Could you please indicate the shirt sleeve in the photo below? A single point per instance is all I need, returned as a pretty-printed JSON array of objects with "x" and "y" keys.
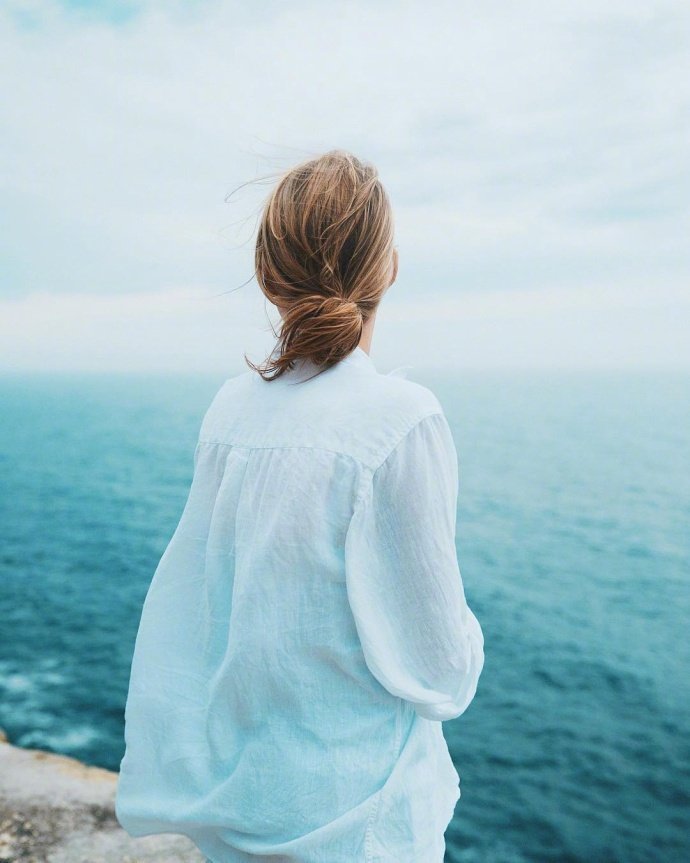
[{"x": 420, "y": 638}]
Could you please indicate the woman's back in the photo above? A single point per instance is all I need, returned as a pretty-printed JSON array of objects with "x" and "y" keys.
[{"x": 306, "y": 629}]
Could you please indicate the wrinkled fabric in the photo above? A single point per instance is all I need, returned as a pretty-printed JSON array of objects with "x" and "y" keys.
[{"x": 306, "y": 630}]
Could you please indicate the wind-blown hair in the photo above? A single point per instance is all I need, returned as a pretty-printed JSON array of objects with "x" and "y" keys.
[{"x": 323, "y": 254}]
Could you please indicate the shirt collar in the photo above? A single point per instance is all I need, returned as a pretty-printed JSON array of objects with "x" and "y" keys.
[
  {"x": 359, "y": 357},
  {"x": 304, "y": 369}
]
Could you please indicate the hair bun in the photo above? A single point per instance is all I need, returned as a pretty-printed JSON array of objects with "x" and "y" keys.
[
  {"x": 324, "y": 329},
  {"x": 350, "y": 307},
  {"x": 344, "y": 307},
  {"x": 319, "y": 305}
]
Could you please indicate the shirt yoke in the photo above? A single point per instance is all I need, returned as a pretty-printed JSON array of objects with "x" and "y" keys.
[{"x": 360, "y": 414}]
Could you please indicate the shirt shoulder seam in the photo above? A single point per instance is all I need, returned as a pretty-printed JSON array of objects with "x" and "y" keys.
[
  {"x": 368, "y": 481},
  {"x": 406, "y": 433}
]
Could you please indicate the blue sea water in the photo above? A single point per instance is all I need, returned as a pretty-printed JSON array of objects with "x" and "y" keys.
[{"x": 573, "y": 542}]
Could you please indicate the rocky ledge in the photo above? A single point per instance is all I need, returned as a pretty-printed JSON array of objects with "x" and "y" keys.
[{"x": 54, "y": 809}]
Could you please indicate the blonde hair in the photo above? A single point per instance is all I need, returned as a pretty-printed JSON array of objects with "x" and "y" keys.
[{"x": 323, "y": 253}]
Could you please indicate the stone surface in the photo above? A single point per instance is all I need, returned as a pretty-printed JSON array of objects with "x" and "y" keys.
[{"x": 54, "y": 809}]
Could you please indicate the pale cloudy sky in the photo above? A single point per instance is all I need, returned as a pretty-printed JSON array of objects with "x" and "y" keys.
[{"x": 536, "y": 153}]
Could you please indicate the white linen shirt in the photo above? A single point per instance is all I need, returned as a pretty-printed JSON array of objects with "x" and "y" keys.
[{"x": 306, "y": 630}]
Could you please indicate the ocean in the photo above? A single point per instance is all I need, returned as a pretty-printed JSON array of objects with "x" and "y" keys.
[{"x": 574, "y": 546}]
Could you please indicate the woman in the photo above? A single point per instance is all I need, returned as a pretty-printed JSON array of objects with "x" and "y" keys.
[{"x": 306, "y": 631}]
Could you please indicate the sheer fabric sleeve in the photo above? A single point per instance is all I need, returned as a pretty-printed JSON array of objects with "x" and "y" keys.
[{"x": 419, "y": 637}]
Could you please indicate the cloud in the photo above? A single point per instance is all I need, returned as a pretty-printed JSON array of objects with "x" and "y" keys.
[
  {"x": 181, "y": 328},
  {"x": 530, "y": 148}
]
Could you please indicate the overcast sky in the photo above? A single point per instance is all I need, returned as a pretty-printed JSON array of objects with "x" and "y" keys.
[{"x": 536, "y": 154}]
